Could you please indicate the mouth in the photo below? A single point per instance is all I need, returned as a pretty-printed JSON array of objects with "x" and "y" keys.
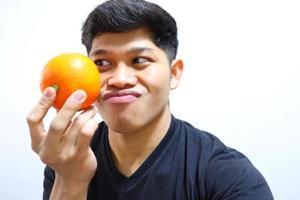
[{"x": 124, "y": 96}]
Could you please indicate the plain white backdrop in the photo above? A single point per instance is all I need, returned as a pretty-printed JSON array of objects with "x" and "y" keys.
[{"x": 241, "y": 80}]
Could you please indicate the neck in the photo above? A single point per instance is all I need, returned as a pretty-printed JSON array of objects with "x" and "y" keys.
[{"x": 131, "y": 150}]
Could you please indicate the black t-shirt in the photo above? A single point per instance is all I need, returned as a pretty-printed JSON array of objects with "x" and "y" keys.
[{"x": 187, "y": 164}]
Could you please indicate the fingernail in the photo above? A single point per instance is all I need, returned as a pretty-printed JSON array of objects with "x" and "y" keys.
[
  {"x": 78, "y": 96},
  {"x": 48, "y": 93}
]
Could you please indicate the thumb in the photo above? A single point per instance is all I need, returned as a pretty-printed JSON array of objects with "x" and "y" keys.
[
  {"x": 41, "y": 108},
  {"x": 35, "y": 117},
  {"x": 47, "y": 99}
]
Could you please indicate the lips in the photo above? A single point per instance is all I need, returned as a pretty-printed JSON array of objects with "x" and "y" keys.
[{"x": 125, "y": 96}]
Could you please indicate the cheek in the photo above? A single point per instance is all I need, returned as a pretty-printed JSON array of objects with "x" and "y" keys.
[
  {"x": 104, "y": 78},
  {"x": 158, "y": 86},
  {"x": 98, "y": 105},
  {"x": 156, "y": 78}
]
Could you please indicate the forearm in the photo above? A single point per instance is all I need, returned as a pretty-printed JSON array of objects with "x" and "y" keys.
[{"x": 68, "y": 191}]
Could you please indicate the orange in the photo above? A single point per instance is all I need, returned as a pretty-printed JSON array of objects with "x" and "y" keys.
[{"x": 69, "y": 72}]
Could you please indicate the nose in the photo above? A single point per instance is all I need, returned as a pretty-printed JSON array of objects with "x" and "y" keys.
[{"x": 123, "y": 76}]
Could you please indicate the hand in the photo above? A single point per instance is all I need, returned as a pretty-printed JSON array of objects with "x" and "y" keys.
[{"x": 65, "y": 147}]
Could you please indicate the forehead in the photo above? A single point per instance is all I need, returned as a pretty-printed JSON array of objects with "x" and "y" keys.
[{"x": 123, "y": 41}]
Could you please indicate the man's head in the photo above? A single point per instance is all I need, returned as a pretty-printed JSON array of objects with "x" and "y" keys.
[
  {"x": 115, "y": 16},
  {"x": 133, "y": 43}
]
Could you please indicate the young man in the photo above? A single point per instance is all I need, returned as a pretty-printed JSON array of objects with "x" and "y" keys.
[{"x": 140, "y": 151}]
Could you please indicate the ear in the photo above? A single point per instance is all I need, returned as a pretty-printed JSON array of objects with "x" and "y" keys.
[{"x": 176, "y": 72}]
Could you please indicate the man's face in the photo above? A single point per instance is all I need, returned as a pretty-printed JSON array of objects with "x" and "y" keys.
[{"x": 135, "y": 77}]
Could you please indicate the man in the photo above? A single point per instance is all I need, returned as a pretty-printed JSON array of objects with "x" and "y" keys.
[{"x": 140, "y": 151}]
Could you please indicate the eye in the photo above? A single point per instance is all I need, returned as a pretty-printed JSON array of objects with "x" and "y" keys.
[
  {"x": 102, "y": 64},
  {"x": 141, "y": 60}
]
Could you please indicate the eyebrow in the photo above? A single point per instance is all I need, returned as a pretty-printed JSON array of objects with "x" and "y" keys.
[{"x": 132, "y": 50}]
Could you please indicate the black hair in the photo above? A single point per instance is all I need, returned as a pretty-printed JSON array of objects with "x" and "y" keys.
[{"x": 127, "y": 15}]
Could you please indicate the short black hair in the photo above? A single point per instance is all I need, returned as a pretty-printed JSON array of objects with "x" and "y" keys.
[{"x": 127, "y": 15}]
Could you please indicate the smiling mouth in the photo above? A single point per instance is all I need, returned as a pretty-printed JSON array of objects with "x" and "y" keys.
[{"x": 120, "y": 97}]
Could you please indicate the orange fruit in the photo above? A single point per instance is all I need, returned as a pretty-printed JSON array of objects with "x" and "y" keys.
[{"x": 69, "y": 72}]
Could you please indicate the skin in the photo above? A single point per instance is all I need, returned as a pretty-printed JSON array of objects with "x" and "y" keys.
[
  {"x": 134, "y": 102},
  {"x": 132, "y": 62}
]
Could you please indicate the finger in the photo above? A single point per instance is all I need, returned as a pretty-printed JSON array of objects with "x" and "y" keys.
[
  {"x": 80, "y": 121},
  {"x": 86, "y": 134},
  {"x": 36, "y": 115},
  {"x": 62, "y": 120}
]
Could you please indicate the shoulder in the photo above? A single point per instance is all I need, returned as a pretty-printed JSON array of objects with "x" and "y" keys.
[
  {"x": 208, "y": 143},
  {"x": 231, "y": 174},
  {"x": 226, "y": 172},
  {"x": 200, "y": 140}
]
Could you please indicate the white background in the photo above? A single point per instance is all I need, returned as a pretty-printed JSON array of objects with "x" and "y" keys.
[{"x": 241, "y": 80}]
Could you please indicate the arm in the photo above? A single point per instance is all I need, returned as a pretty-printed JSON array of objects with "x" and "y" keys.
[
  {"x": 63, "y": 190},
  {"x": 65, "y": 147}
]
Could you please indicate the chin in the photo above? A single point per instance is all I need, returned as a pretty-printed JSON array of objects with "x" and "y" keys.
[
  {"x": 122, "y": 124},
  {"x": 123, "y": 128}
]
